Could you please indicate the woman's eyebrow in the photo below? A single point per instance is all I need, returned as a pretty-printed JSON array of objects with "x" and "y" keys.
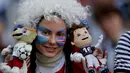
[
  {"x": 62, "y": 30},
  {"x": 43, "y": 28}
]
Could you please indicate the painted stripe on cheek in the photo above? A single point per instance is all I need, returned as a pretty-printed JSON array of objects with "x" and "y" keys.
[
  {"x": 61, "y": 41},
  {"x": 42, "y": 39}
]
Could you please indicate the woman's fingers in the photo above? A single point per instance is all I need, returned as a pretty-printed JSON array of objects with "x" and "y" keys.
[
  {"x": 106, "y": 54},
  {"x": 7, "y": 58}
]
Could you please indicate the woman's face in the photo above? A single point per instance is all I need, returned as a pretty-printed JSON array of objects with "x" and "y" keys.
[{"x": 51, "y": 37}]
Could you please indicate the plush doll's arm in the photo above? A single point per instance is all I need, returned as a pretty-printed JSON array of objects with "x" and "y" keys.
[
  {"x": 96, "y": 47},
  {"x": 76, "y": 57},
  {"x": 4, "y": 68},
  {"x": 99, "y": 41},
  {"x": 6, "y": 50}
]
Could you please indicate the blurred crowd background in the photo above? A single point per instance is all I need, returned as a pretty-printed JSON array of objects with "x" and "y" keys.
[{"x": 109, "y": 17}]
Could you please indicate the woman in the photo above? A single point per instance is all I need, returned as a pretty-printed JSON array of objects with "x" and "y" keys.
[
  {"x": 51, "y": 51},
  {"x": 52, "y": 18},
  {"x": 48, "y": 52}
]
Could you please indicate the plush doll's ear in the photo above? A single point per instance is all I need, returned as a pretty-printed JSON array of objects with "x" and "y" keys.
[{"x": 72, "y": 43}]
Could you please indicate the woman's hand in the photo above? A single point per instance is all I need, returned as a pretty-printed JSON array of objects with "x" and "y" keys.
[
  {"x": 102, "y": 56},
  {"x": 8, "y": 57}
]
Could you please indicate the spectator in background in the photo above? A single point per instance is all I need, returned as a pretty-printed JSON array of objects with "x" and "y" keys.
[
  {"x": 110, "y": 20},
  {"x": 1, "y": 31},
  {"x": 122, "y": 54},
  {"x": 3, "y": 23},
  {"x": 125, "y": 9},
  {"x": 2, "y": 26}
]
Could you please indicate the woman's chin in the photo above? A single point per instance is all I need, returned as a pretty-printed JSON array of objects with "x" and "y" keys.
[{"x": 49, "y": 55}]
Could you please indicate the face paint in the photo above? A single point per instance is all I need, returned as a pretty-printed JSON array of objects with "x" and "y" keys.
[
  {"x": 61, "y": 41},
  {"x": 41, "y": 39},
  {"x": 60, "y": 31},
  {"x": 42, "y": 28}
]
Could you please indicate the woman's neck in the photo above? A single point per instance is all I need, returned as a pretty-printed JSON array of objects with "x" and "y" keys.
[{"x": 48, "y": 62}]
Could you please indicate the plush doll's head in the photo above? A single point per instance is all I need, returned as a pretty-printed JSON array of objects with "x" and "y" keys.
[
  {"x": 80, "y": 36},
  {"x": 24, "y": 34},
  {"x": 18, "y": 32}
]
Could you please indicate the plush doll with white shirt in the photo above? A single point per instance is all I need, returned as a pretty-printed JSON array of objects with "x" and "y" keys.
[
  {"x": 81, "y": 41},
  {"x": 24, "y": 36}
]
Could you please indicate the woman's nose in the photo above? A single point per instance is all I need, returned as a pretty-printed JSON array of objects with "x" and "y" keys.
[{"x": 52, "y": 39}]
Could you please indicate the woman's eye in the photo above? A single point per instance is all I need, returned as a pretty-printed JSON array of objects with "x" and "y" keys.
[
  {"x": 46, "y": 33},
  {"x": 60, "y": 34}
]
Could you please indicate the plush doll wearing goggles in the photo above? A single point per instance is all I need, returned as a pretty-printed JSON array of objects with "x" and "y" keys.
[{"x": 81, "y": 41}]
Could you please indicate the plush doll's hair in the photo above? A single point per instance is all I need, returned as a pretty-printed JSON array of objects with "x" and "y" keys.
[{"x": 73, "y": 28}]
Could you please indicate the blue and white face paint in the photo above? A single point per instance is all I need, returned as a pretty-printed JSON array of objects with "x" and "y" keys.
[
  {"x": 44, "y": 35},
  {"x": 41, "y": 39},
  {"x": 61, "y": 41}
]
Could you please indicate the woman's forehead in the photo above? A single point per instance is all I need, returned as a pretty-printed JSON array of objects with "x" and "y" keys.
[{"x": 53, "y": 25}]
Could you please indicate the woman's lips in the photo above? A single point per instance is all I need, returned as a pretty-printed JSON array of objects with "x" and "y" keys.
[{"x": 50, "y": 49}]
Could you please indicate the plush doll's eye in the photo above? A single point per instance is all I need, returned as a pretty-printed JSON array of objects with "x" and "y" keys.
[
  {"x": 24, "y": 31},
  {"x": 78, "y": 34},
  {"x": 15, "y": 29},
  {"x": 85, "y": 31}
]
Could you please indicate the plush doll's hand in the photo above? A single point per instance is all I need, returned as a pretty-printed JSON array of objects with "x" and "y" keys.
[
  {"x": 6, "y": 50},
  {"x": 28, "y": 49},
  {"x": 7, "y": 53},
  {"x": 5, "y": 68},
  {"x": 76, "y": 57},
  {"x": 15, "y": 70}
]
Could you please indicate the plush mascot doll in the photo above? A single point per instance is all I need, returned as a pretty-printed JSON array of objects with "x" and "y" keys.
[
  {"x": 81, "y": 40},
  {"x": 21, "y": 50}
]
